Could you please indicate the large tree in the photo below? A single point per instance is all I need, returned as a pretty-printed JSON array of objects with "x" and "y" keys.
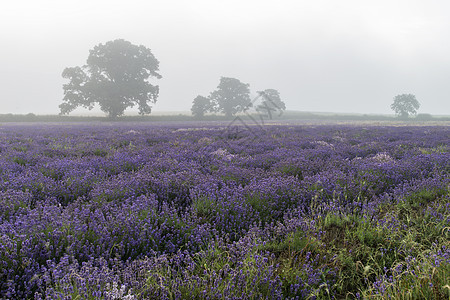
[
  {"x": 231, "y": 96},
  {"x": 405, "y": 105},
  {"x": 116, "y": 77}
]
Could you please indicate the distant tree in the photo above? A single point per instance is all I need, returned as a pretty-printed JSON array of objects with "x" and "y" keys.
[
  {"x": 115, "y": 76},
  {"x": 231, "y": 96},
  {"x": 424, "y": 117},
  {"x": 200, "y": 106},
  {"x": 405, "y": 105},
  {"x": 271, "y": 101}
]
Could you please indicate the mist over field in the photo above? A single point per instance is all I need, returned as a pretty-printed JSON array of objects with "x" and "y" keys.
[
  {"x": 323, "y": 56},
  {"x": 224, "y": 149}
]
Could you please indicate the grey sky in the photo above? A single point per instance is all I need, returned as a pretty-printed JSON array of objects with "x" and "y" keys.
[{"x": 321, "y": 55}]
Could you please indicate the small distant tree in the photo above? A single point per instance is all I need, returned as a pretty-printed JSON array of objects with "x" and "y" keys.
[
  {"x": 115, "y": 76},
  {"x": 424, "y": 117},
  {"x": 271, "y": 102},
  {"x": 405, "y": 105},
  {"x": 231, "y": 96},
  {"x": 200, "y": 106}
]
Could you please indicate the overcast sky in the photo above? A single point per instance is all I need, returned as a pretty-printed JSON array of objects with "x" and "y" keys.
[{"x": 324, "y": 55}]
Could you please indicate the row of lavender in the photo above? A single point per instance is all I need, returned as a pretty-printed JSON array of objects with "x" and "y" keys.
[{"x": 143, "y": 211}]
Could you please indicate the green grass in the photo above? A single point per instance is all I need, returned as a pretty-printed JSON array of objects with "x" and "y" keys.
[
  {"x": 370, "y": 250},
  {"x": 292, "y": 170},
  {"x": 204, "y": 207},
  {"x": 389, "y": 255},
  {"x": 207, "y": 274}
]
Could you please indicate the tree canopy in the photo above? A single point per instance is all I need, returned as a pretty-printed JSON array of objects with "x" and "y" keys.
[
  {"x": 271, "y": 102},
  {"x": 405, "y": 105},
  {"x": 115, "y": 77},
  {"x": 200, "y": 106},
  {"x": 231, "y": 96}
]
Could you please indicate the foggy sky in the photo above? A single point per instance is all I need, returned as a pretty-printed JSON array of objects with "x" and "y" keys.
[{"x": 349, "y": 56}]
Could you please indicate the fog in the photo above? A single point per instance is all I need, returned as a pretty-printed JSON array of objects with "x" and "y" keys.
[{"x": 324, "y": 56}]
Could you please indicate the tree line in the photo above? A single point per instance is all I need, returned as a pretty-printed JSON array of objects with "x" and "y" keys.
[
  {"x": 116, "y": 77},
  {"x": 232, "y": 97}
]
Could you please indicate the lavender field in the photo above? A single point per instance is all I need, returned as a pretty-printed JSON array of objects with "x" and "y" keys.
[{"x": 148, "y": 211}]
